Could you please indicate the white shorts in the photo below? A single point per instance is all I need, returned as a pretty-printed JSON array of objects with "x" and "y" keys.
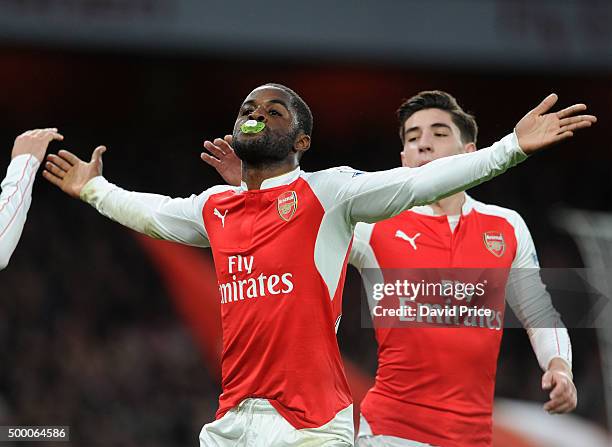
[
  {"x": 365, "y": 438},
  {"x": 256, "y": 423}
]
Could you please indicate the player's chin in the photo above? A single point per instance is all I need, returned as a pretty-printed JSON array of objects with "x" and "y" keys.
[{"x": 250, "y": 136}]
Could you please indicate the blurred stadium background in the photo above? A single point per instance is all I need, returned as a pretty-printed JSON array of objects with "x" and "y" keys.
[{"x": 117, "y": 336}]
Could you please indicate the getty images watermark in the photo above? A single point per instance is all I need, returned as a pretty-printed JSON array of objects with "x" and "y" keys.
[
  {"x": 446, "y": 301},
  {"x": 481, "y": 298}
]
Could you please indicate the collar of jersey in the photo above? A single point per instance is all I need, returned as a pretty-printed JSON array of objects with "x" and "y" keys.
[
  {"x": 279, "y": 180},
  {"x": 426, "y": 210}
]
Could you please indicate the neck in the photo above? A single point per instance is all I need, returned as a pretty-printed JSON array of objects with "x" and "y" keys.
[
  {"x": 254, "y": 176},
  {"x": 449, "y": 206}
]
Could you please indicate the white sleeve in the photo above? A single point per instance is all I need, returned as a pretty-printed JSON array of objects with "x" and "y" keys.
[
  {"x": 157, "y": 216},
  {"x": 362, "y": 255},
  {"x": 15, "y": 201},
  {"x": 370, "y": 197},
  {"x": 531, "y": 302},
  {"x": 363, "y": 258}
]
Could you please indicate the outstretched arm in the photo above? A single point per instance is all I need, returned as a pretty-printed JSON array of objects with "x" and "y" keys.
[
  {"x": 16, "y": 196},
  {"x": 375, "y": 196},
  {"x": 157, "y": 216}
]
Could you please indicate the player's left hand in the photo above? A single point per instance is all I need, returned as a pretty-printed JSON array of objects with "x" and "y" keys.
[
  {"x": 563, "y": 396},
  {"x": 539, "y": 128},
  {"x": 223, "y": 159}
]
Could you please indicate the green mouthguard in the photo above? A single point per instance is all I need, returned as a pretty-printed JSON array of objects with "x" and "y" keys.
[{"x": 252, "y": 126}]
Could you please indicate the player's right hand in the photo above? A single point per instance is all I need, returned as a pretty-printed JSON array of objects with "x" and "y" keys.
[
  {"x": 69, "y": 173},
  {"x": 35, "y": 142},
  {"x": 223, "y": 159}
]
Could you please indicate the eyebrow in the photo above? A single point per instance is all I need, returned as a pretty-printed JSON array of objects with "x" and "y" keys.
[
  {"x": 273, "y": 101},
  {"x": 435, "y": 125}
]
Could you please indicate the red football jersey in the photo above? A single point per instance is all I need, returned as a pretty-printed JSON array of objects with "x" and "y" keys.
[
  {"x": 278, "y": 313},
  {"x": 436, "y": 385},
  {"x": 280, "y": 255}
]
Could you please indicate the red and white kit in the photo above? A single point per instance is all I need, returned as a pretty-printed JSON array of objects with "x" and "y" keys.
[
  {"x": 435, "y": 385},
  {"x": 280, "y": 255},
  {"x": 15, "y": 202}
]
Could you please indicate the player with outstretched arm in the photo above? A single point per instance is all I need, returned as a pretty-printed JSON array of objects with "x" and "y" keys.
[{"x": 280, "y": 242}]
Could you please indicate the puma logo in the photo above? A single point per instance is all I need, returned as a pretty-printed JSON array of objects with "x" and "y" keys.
[
  {"x": 220, "y": 216},
  {"x": 400, "y": 234}
]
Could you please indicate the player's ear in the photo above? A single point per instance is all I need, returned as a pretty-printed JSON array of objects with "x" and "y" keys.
[
  {"x": 302, "y": 142},
  {"x": 403, "y": 158},
  {"x": 469, "y": 147}
]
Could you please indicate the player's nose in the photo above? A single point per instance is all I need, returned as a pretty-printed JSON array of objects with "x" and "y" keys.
[
  {"x": 425, "y": 146},
  {"x": 257, "y": 115}
]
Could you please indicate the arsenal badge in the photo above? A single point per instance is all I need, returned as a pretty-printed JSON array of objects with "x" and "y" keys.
[
  {"x": 286, "y": 204},
  {"x": 494, "y": 241}
]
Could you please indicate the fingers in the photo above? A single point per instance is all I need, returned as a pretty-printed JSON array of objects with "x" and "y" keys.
[
  {"x": 563, "y": 394},
  {"x": 576, "y": 126},
  {"x": 214, "y": 149},
  {"x": 547, "y": 381},
  {"x": 576, "y": 122},
  {"x": 50, "y": 133},
  {"x": 557, "y": 407},
  {"x": 55, "y": 170},
  {"x": 553, "y": 405},
  {"x": 58, "y": 161},
  {"x": 215, "y": 163},
  {"x": 55, "y": 136},
  {"x": 546, "y": 104},
  {"x": 567, "y": 130},
  {"x": 224, "y": 145},
  {"x": 568, "y": 111},
  {"x": 576, "y": 119},
  {"x": 96, "y": 156},
  {"x": 560, "y": 405},
  {"x": 52, "y": 178},
  {"x": 220, "y": 147},
  {"x": 69, "y": 157}
]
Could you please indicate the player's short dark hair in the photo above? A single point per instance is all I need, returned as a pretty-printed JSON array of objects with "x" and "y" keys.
[
  {"x": 304, "y": 115},
  {"x": 437, "y": 99}
]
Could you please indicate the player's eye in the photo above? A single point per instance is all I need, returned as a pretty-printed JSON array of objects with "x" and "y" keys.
[
  {"x": 412, "y": 139},
  {"x": 275, "y": 112},
  {"x": 437, "y": 134},
  {"x": 245, "y": 112}
]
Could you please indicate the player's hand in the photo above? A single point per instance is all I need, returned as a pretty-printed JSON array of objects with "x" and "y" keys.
[
  {"x": 539, "y": 129},
  {"x": 35, "y": 142},
  {"x": 558, "y": 380},
  {"x": 223, "y": 159},
  {"x": 69, "y": 173}
]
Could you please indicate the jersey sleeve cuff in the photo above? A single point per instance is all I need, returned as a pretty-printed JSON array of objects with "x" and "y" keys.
[
  {"x": 96, "y": 190},
  {"x": 514, "y": 143},
  {"x": 563, "y": 359}
]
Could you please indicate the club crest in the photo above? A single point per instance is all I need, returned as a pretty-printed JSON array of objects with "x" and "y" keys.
[
  {"x": 494, "y": 242},
  {"x": 286, "y": 204}
]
